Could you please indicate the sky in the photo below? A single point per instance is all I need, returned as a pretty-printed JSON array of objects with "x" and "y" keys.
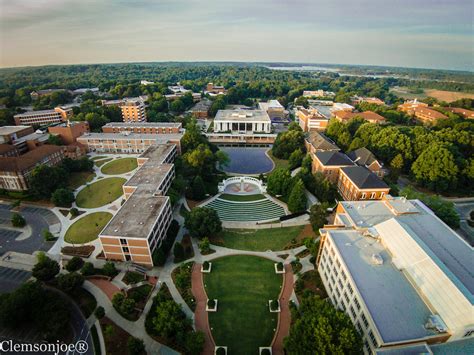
[{"x": 410, "y": 33}]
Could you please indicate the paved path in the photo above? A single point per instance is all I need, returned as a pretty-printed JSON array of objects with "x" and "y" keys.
[
  {"x": 284, "y": 320},
  {"x": 201, "y": 319},
  {"x": 107, "y": 287}
]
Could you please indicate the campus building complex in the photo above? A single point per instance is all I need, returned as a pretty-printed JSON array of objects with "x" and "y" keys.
[
  {"x": 140, "y": 225},
  {"x": 143, "y": 127},
  {"x": 9, "y": 134},
  {"x": 401, "y": 274},
  {"x": 69, "y": 131},
  {"x": 43, "y": 117},
  {"x": 242, "y": 122},
  {"x": 275, "y": 110},
  {"x": 15, "y": 171}
]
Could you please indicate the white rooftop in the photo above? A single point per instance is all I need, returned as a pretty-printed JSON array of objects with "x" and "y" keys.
[{"x": 242, "y": 115}]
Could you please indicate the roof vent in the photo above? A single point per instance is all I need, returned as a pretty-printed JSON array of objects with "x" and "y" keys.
[
  {"x": 376, "y": 259},
  {"x": 436, "y": 323}
]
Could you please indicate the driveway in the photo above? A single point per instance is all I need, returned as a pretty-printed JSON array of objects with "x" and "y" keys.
[
  {"x": 38, "y": 219},
  {"x": 10, "y": 279}
]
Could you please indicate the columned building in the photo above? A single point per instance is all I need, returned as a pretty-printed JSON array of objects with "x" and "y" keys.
[{"x": 242, "y": 122}]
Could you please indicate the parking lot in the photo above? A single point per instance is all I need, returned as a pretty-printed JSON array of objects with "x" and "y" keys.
[{"x": 12, "y": 278}]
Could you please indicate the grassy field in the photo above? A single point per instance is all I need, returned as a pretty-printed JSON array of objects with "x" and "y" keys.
[
  {"x": 242, "y": 198},
  {"x": 120, "y": 166},
  {"x": 243, "y": 285},
  {"x": 279, "y": 163},
  {"x": 100, "y": 193},
  {"x": 87, "y": 228},
  {"x": 99, "y": 157},
  {"x": 101, "y": 162},
  {"x": 81, "y": 178},
  {"x": 441, "y": 95},
  {"x": 258, "y": 239}
]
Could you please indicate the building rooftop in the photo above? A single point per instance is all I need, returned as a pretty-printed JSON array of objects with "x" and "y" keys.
[
  {"x": 396, "y": 308},
  {"x": 145, "y": 124},
  {"x": 149, "y": 177},
  {"x": 159, "y": 138},
  {"x": 429, "y": 112},
  {"x": 29, "y": 159},
  {"x": 137, "y": 216},
  {"x": 366, "y": 115},
  {"x": 158, "y": 152},
  {"x": 363, "y": 178},
  {"x": 333, "y": 158},
  {"x": 320, "y": 142},
  {"x": 362, "y": 156},
  {"x": 435, "y": 237},
  {"x": 39, "y": 112},
  {"x": 271, "y": 104},
  {"x": 7, "y": 130},
  {"x": 242, "y": 115},
  {"x": 464, "y": 346}
]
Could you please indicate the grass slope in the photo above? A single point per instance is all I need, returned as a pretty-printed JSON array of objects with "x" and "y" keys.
[
  {"x": 81, "y": 178},
  {"x": 100, "y": 193},
  {"x": 257, "y": 239},
  {"x": 243, "y": 285},
  {"x": 242, "y": 198},
  {"x": 87, "y": 228}
]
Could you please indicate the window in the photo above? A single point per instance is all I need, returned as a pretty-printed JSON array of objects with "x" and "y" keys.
[
  {"x": 359, "y": 328},
  {"x": 123, "y": 241},
  {"x": 346, "y": 296},
  {"x": 372, "y": 195},
  {"x": 468, "y": 333},
  {"x": 372, "y": 338},
  {"x": 353, "y": 312},
  {"x": 364, "y": 320},
  {"x": 357, "y": 304},
  {"x": 364, "y": 196},
  {"x": 349, "y": 287},
  {"x": 125, "y": 249}
]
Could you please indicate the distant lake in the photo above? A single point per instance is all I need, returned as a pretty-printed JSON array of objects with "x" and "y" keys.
[{"x": 247, "y": 160}]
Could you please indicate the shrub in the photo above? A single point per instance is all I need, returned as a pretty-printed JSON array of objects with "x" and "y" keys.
[
  {"x": 204, "y": 245},
  {"x": 70, "y": 282},
  {"x": 312, "y": 260},
  {"x": 211, "y": 303},
  {"x": 205, "y": 265},
  {"x": 87, "y": 269},
  {"x": 99, "y": 312},
  {"x": 109, "y": 269},
  {"x": 128, "y": 306},
  {"x": 74, "y": 212},
  {"x": 132, "y": 277},
  {"x": 48, "y": 236},
  {"x": 117, "y": 300},
  {"x": 45, "y": 269},
  {"x": 74, "y": 264},
  {"x": 274, "y": 305},
  {"x": 178, "y": 252},
  {"x": 62, "y": 197},
  {"x": 159, "y": 257},
  {"x": 280, "y": 266},
  {"x": 18, "y": 220},
  {"x": 220, "y": 351},
  {"x": 135, "y": 346},
  {"x": 265, "y": 352}
]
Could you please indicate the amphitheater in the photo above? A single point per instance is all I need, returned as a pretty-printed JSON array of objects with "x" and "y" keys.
[{"x": 249, "y": 204}]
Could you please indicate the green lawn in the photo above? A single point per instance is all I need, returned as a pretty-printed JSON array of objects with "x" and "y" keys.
[
  {"x": 243, "y": 285},
  {"x": 99, "y": 157},
  {"x": 279, "y": 163},
  {"x": 100, "y": 193},
  {"x": 80, "y": 178},
  {"x": 120, "y": 166},
  {"x": 242, "y": 198},
  {"x": 87, "y": 228},
  {"x": 257, "y": 239},
  {"x": 101, "y": 162}
]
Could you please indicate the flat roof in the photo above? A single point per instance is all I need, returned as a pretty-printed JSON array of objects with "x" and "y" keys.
[
  {"x": 242, "y": 115},
  {"x": 160, "y": 138},
  {"x": 271, "y": 104},
  {"x": 396, "y": 308},
  {"x": 150, "y": 176},
  {"x": 451, "y": 251},
  {"x": 144, "y": 124},
  {"x": 137, "y": 216},
  {"x": 6, "y": 130},
  {"x": 158, "y": 152}
]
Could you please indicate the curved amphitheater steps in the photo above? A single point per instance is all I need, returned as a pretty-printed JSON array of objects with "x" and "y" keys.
[{"x": 260, "y": 210}]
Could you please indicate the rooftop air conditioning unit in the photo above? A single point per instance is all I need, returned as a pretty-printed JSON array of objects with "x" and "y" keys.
[
  {"x": 436, "y": 323},
  {"x": 376, "y": 259}
]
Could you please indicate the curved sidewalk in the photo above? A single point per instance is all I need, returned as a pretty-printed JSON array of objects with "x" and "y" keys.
[
  {"x": 284, "y": 320},
  {"x": 200, "y": 314}
]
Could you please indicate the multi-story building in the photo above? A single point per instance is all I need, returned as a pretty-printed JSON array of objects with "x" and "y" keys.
[
  {"x": 370, "y": 100},
  {"x": 43, "y": 117},
  {"x": 401, "y": 274},
  {"x": 409, "y": 106},
  {"x": 329, "y": 163},
  {"x": 318, "y": 93},
  {"x": 143, "y": 127},
  {"x": 428, "y": 115},
  {"x": 31, "y": 141},
  {"x": 275, "y": 110},
  {"x": 8, "y": 150},
  {"x": 311, "y": 119},
  {"x": 82, "y": 91},
  {"x": 365, "y": 157},
  {"x": 16, "y": 171},
  {"x": 120, "y": 102},
  {"x": 359, "y": 183},
  {"x": 213, "y": 90},
  {"x": 140, "y": 225},
  {"x": 69, "y": 131},
  {"x": 133, "y": 111},
  {"x": 317, "y": 141},
  {"x": 242, "y": 122},
  {"x": 461, "y": 112},
  {"x": 369, "y": 116},
  {"x": 201, "y": 109},
  {"x": 9, "y": 134},
  {"x": 339, "y": 106},
  {"x": 126, "y": 142}
]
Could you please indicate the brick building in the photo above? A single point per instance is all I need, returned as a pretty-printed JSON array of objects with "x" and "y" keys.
[
  {"x": 310, "y": 119},
  {"x": 133, "y": 111},
  {"x": 69, "y": 131},
  {"x": 365, "y": 157},
  {"x": 359, "y": 183},
  {"x": 329, "y": 163},
  {"x": 317, "y": 141},
  {"x": 43, "y": 117},
  {"x": 369, "y": 116},
  {"x": 143, "y": 127}
]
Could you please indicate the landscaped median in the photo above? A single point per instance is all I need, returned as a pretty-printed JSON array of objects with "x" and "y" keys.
[
  {"x": 87, "y": 228},
  {"x": 242, "y": 285},
  {"x": 100, "y": 193}
]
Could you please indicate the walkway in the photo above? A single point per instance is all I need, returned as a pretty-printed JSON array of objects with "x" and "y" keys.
[
  {"x": 201, "y": 319},
  {"x": 284, "y": 320},
  {"x": 106, "y": 287}
]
